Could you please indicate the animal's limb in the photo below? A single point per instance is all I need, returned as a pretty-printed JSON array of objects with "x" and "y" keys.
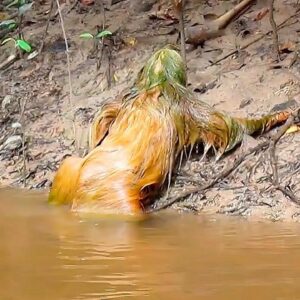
[
  {"x": 137, "y": 141},
  {"x": 65, "y": 181},
  {"x": 224, "y": 132},
  {"x": 102, "y": 121},
  {"x": 263, "y": 124}
]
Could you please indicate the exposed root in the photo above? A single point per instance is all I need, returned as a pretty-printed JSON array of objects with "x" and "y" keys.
[{"x": 197, "y": 35}]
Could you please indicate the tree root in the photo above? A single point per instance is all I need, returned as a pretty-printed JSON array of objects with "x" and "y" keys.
[{"x": 197, "y": 34}]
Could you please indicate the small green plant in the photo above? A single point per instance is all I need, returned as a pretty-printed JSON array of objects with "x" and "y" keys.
[
  {"x": 98, "y": 36},
  {"x": 21, "y": 5},
  {"x": 8, "y": 24},
  {"x": 20, "y": 44},
  {"x": 98, "y": 48}
]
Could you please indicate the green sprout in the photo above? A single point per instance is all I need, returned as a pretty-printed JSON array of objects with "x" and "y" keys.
[
  {"x": 99, "y": 35},
  {"x": 98, "y": 40},
  {"x": 20, "y": 44},
  {"x": 8, "y": 24},
  {"x": 22, "y": 5}
]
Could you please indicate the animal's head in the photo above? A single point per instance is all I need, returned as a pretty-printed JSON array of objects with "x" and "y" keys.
[{"x": 164, "y": 66}]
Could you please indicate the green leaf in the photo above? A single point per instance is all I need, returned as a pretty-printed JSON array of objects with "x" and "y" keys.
[
  {"x": 103, "y": 34},
  {"x": 12, "y": 26},
  {"x": 7, "y": 40},
  {"x": 24, "y": 8},
  {"x": 8, "y": 24},
  {"x": 24, "y": 46},
  {"x": 86, "y": 35}
]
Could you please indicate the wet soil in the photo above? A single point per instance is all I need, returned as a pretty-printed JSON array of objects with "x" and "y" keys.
[{"x": 39, "y": 121}]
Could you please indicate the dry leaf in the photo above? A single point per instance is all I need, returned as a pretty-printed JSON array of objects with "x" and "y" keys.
[
  {"x": 293, "y": 128},
  {"x": 130, "y": 41},
  {"x": 287, "y": 47},
  {"x": 29, "y": 70},
  {"x": 166, "y": 14},
  {"x": 87, "y": 2},
  {"x": 115, "y": 77},
  {"x": 261, "y": 14}
]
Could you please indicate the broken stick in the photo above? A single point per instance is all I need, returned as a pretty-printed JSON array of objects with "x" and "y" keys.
[
  {"x": 274, "y": 29},
  {"x": 198, "y": 34},
  {"x": 179, "y": 8},
  {"x": 279, "y": 27},
  {"x": 275, "y": 179}
]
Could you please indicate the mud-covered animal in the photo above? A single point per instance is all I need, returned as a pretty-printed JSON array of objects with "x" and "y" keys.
[{"x": 136, "y": 141}]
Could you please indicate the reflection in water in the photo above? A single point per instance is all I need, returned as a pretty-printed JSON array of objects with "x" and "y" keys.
[{"x": 48, "y": 253}]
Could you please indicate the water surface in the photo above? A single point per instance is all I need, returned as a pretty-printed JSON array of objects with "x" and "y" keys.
[{"x": 48, "y": 253}]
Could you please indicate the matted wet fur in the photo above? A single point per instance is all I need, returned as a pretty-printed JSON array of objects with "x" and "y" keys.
[{"x": 135, "y": 142}]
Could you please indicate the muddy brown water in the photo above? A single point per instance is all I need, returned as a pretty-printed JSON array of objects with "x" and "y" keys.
[{"x": 48, "y": 253}]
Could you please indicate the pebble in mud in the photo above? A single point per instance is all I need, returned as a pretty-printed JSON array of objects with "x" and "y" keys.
[
  {"x": 6, "y": 102},
  {"x": 13, "y": 142}
]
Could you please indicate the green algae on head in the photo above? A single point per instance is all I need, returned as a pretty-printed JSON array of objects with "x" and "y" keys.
[{"x": 164, "y": 66}]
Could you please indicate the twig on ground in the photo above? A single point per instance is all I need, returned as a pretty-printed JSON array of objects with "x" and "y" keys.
[
  {"x": 223, "y": 174},
  {"x": 295, "y": 57},
  {"x": 100, "y": 50},
  {"x": 108, "y": 71},
  {"x": 20, "y": 34},
  {"x": 20, "y": 26},
  {"x": 5, "y": 31},
  {"x": 197, "y": 34},
  {"x": 21, "y": 120},
  {"x": 279, "y": 27},
  {"x": 273, "y": 159},
  {"x": 73, "y": 6},
  {"x": 225, "y": 19},
  {"x": 274, "y": 29},
  {"x": 103, "y": 15},
  {"x": 69, "y": 70},
  {"x": 10, "y": 60},
  {"x": 289, "y": 194},
  {"x": 179, "y": 9},
  {"x": 47, "y": 26},
  {"x": 99, "y": 53},
  {"x": 67, "y": 52}
]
